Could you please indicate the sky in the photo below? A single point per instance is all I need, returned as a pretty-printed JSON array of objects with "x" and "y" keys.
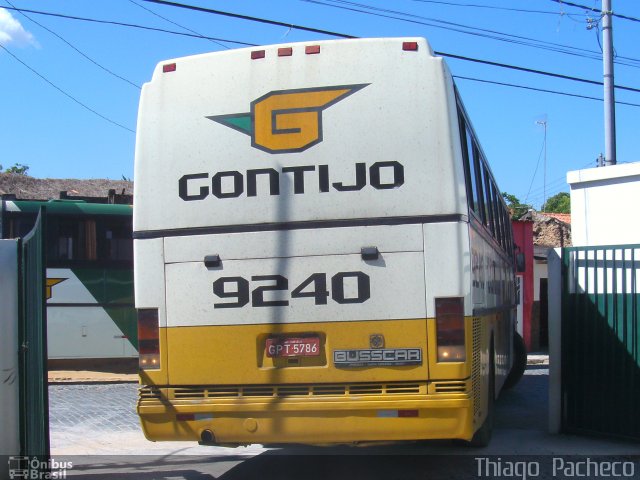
[{"x": 70, "y": 87}]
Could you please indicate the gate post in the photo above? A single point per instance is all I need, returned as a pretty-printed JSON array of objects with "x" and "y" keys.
[
  {"x": 554, "y": 265},
  {"x": 32, "y": 339}
]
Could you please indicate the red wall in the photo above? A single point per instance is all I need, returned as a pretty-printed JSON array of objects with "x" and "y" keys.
[{"x": 523, "y": 238}]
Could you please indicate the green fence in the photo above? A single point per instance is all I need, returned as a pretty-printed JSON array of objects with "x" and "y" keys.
[
  {"x": 600, "y": 356},
  {"x": 32, "y": 337}
]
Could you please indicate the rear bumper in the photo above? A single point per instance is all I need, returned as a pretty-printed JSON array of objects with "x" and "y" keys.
[{"x": 324, "y": 421}]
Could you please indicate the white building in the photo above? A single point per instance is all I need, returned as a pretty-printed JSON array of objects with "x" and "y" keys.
[{"x": 604, "y": 204}]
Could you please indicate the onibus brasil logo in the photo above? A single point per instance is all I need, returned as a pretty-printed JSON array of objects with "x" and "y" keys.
[
  {"x": 286, "y": 121},
  {"x": 37, "y": 468}
]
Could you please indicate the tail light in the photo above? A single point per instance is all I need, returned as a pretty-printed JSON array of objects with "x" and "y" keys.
[
  {"x": 148, "y": 339},
  {"x": 450, "y": 329}
]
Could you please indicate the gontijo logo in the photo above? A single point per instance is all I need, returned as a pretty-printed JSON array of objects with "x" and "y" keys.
[{"x": 286, "y": 121}]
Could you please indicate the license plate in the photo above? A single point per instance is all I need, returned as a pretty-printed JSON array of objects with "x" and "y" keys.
[{"x": 293, "y": 347}]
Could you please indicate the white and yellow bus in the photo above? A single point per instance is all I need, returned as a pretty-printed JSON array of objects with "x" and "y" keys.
[{"x": 321, "y": 252}]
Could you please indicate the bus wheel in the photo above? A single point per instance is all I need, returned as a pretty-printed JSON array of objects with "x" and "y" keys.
[
  {"x": 482, "y": 437},
  {"x": 519, "y": 362}
]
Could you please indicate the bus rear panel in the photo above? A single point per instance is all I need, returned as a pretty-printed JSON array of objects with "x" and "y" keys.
[{"x": 304, "y": 254}]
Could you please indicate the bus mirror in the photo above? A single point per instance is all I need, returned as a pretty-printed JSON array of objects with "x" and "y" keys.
[{"x": 520, "y": 265}]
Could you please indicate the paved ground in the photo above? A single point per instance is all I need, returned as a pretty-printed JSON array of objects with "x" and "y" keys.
[{"x": 99, "y": 419}]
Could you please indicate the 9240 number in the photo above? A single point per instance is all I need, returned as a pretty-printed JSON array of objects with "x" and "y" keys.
[{"x": 315, "y": 286}]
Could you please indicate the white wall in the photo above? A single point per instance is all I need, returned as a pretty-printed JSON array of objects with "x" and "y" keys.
[
  {"x": 604, "y": 204},
  {"x": 9, "y": 403},
  {"x": 539, "y": 271}
]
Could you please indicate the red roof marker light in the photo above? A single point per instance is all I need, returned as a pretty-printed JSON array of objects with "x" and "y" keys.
[
  {"x": 169, "y": 67},
  {"x": 410, "y": 46},
  {"x": 312, "y": 49},
  {"x": 256, "y": 54},
  {"x": 285, "y": 52}
]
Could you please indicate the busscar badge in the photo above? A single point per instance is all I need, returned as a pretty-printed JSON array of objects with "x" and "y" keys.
[{"x": 376, "y": 340}]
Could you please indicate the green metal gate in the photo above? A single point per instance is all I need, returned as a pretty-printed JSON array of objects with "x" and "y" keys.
[
  {"x": 601, "y": 340},
  {"x": 32, "y": 335}
]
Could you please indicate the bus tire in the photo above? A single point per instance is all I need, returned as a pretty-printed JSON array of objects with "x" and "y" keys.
[
  {"x": 482, "y": 437},
  {"x": 519, "y": 362}
]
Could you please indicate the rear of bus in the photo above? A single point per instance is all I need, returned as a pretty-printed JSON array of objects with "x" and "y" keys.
[{"x": 302, "y": 265}]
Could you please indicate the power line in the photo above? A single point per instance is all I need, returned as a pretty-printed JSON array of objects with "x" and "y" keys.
[
  {"x": 445, "y": 54},
  {"x": 78, "y": 50},
  {"x": 353, "y": 8},
  {"x": 563, "y": 179},
  {"x": 492, "y": 7},
  {"x": 553, "y": 184},
  {"x": 176, "y": 24},
  {"x": 551, "y": 193},
  {"x": 304, "y": 28},
  {"x": 129, "y": 25},
  {"x": 556, "y": 188},
  {"x": 456, "y": 27},
  {"x": 246, "y": 17},
  {"x": 531, "y": 70},
  {"x": 536, "y": 169},
  {"x": 541, "y": 90},
  {"x": 592, "y": 9},
  {"x": 300, "y": 27},
  {"x": 68, "y": 95},
  {"x": 517, "y": 39},
  {"x": 543, "y": 204}
]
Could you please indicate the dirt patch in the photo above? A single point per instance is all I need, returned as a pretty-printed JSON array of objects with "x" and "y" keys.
[
  {"x": 89, "y": 370},
  {"x": 88, "y": 376}
]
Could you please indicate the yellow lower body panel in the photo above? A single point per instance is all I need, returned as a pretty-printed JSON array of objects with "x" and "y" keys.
[
  {"x": 219, "y": 380},
  {"x": 230, "y": 353},
  {"x": 306, "y": 422}
]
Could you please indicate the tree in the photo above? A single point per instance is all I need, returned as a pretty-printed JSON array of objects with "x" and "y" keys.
[
  {"x": 559, "y": 203},
  {"x": 18, "y": 169},
  {"x": 516, "y": 208}
]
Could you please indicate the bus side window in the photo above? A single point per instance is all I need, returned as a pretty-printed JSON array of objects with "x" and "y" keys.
[
  {"x": 65, "y": 239},
  {"x": 497, "y": 215},
  {"x": 115, "y": 240},
  {"x": 490, "y": 218},
  {"x": 509, "y": 233},
  {"x": 20, "y": 226},
  {"x": 469, "y": 154},
  {"x": 462, "y": 126},
  {"x": 90, "y": 239},
  {"x": 501, "y": 212},
  {"x": 476, "y": 176},
  {"x": 506, "y": 227}
]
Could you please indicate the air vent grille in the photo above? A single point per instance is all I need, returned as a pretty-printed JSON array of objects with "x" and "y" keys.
[
  {"x": 450, "y": 387},
  {"x": 278, "y": 391},
  {"x": 476, "y": 367}
]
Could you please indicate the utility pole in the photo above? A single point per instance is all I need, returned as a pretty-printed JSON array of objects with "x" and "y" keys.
[{"x": 609, "y": 97}]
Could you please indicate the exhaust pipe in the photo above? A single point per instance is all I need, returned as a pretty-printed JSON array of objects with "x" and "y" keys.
[{"x": 207, "y": 438}]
